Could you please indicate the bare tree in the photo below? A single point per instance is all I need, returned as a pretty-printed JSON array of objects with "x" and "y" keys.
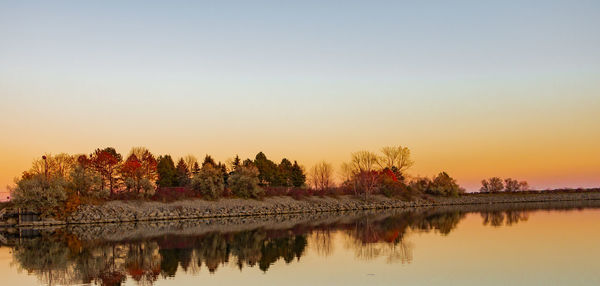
[
  {"x": 321, "y": 176},
  {"x": 363, "y": 161},
  {"x": 492, "y": 185},
  {"x": 395, "y": 157},
  {"x": 511, "y": 185},
  {"x": 139, "y": 152},
  {"x": 523, "y": 186},
  {"x": 53, "y": 165},
  {"x": 190, "y": 160}
]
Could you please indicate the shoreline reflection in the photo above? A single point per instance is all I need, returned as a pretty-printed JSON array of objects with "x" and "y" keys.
[{"x": 65, "y": 256}]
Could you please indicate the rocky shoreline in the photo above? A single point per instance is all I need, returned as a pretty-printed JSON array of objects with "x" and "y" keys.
[{"x": 133, "y": 211}]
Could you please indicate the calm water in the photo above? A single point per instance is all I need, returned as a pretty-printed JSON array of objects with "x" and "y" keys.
[{"x": 516, "y": 246}]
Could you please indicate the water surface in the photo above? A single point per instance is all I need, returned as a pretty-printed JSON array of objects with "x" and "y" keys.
[{"x": 506, "y": 245}]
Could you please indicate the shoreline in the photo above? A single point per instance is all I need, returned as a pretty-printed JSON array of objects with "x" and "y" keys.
[{"x": 147, "y": 211}]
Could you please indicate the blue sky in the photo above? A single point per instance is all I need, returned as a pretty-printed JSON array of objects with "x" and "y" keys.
[{"x": 497, "y": 80}]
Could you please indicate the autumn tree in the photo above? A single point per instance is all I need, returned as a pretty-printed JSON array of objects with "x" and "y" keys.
[
  {"x": 149, "y": 164},
  {"x": 106, "y": 162},
  {"x": 135, "y": 177}
]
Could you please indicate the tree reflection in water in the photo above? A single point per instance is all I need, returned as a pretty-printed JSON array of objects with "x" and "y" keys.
[{"x": 62, "y": 258}]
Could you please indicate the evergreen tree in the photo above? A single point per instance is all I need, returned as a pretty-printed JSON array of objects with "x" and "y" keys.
[
  {"x": 196, "y": 168},
  {"x": 267, "y": 170},
  {"x": 236, "y": 162},
  {"x": 297, "y": 176},
  {"x": 167, "y": 173},
  {"x": 223, "y": 169},
  {"x": 208, "y": 160},
  {"x": 183, "y": 175},
  {"x": 284, "y": 177}
]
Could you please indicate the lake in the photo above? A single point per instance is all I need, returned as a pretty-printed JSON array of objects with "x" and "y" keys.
[{"x": 528, "y": 244}]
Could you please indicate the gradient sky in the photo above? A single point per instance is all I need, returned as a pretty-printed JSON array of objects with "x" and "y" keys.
[{"x": 476, "y": 88}]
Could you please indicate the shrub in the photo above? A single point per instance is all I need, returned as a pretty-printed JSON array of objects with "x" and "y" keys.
[
  {"x": 144, "y": 185},
  {"x": 169, "y": 194},
  {"x": 389, "y": 185},
  {"x": 40, "y": 194},
  {"x": 209, "y": 182},
  {"x": 244, "y": 181},
  {"x": 419, "y": 185}
]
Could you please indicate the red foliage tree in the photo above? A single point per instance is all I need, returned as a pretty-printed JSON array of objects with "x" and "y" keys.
[
  {"x": 106, "y": 162},
  {"x": 132, "y": 169}
]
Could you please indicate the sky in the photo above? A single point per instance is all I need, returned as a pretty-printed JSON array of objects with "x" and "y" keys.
[{"x": 474, "y": 88}]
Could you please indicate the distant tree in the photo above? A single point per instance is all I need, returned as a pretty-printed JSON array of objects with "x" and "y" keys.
[
  {"x": 208, "y": 160},
  {"x": 267, "y": 170},
  {"x": 183, "y": 173},
  {"x": 396, "y": 158},
  {"x": 167, "y": 173},
  {"x": 297, "y": 176},
  {"x": 106, "y": 161},
  {"x": 511, "y": 185},
  {"x": 321, "y": 176},
  {"x": 492, "y": 185},
  {"x": 243, "y": 182}
]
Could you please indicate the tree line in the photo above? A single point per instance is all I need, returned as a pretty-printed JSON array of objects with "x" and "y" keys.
[{"x": 56, "y": 183}]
